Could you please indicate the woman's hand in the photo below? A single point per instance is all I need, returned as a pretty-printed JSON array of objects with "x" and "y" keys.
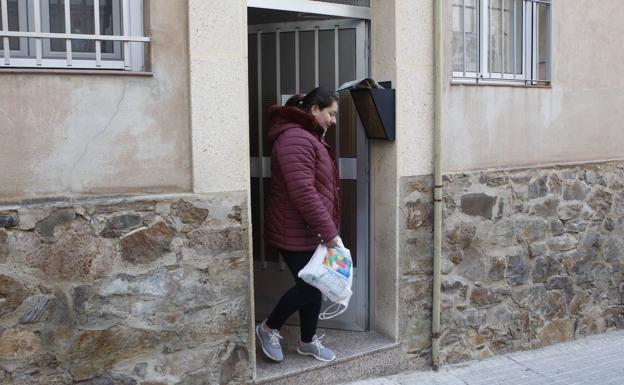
[{"x": 335, "y": 242}]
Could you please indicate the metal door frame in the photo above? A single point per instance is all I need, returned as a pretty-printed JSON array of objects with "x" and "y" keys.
[
  {"x": 315, "y": 7},
  {"x": 358, "y": 170}
]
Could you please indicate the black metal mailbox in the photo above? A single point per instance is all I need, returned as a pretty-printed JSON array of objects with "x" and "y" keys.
[{"x": 375, "y": 106}]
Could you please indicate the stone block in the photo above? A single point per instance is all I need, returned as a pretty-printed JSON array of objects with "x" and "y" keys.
[
  {"x": 455, "y": 287},
  {"x": 522, "y": 177},
  {"x": 8, "y": 219},
  {"x": 593, "y": 177},
  {"x": 497, "y": 271},
  {"x": 59, "y": 327},
  {"x": 483, "y": 297},
  {"x": 576, "y": 304},
  {"x": 530, "y": 229},
  {"x": 538, "y": 187},
  {"x": 461, "y": 236},
  {"x": 76, "y": 254},
  {"x": 518, "y": 269},
  {"x": 188, "y": 213},
  {"x": 416, "y": 255},
  {"x": 19, "y": 344},
  {"x": 93, "y": 352},
  {"x": 33, "y": 308},
  {"x": 146, "y": 245},
  {"x": 537, "y": 249},
  {"x": 593, "y": 240},
  {"x": 575, "y": 190},
  {"x": 540, "y": 270},
  {"x": 121, "y": 224},
  {"x": 419, "y": 214},
  {"x": 576, "y": 226},
  {"x": 499, "y": 318},
  {"x": 4, "y": 246},
  {"x": 613, "y": 249},
  {"x": 556, "y": 227},
  {"x": 530, "y": 298},
  {"x": 233, "y": 364},
  {"x": 140, "y": 369},
  {"x": 600, "y": 200},
  {"x": 555, "y": 183},
  {"x": 545, "y": 209},
  {"x": 29, "y": 217},
  {"x": 502, "y": 233},
  {"x": 564, "y": 242},
  {"x": 110, "y": 379},
  {"x": 557, "y": 331},
  {"x": 212, "y": 241},
  {"x": 472, "y": 266},
  {"x": 236, "y": 214},
  {"x": 46, "y": 226},
  {"x": 555, "y": 306},
  {"x": 137, "y": 206},
  {"x": 141, "y": 299},
  {"x": 495, "y": 180},
  {"x": 563, "y": 283},
  {"x": 478, "y": 204},
  {"x": 567, "y": 211},
  {"x": 12, "y": 293},
  {"x": 19, "y": 244},
  {"x": 46, "y": 369}
]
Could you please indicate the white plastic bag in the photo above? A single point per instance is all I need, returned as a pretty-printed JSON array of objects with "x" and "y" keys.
[{"x": 331, "y": 271}]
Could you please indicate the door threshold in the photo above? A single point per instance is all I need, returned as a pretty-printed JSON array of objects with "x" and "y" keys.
[{"x": 348, "y": 346}]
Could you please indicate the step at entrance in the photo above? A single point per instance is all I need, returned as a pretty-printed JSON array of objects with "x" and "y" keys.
[{"x": 358, "y": 354}]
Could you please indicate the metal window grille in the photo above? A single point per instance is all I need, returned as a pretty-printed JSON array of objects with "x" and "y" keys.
[
  {"x": 95, "y": 34},
  {"x": 502, "y": 40}
]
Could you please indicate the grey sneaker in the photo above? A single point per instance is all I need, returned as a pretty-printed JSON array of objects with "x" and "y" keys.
[
  {"x": 316, "y": 349},
  {"x": 269, "y": 341}
]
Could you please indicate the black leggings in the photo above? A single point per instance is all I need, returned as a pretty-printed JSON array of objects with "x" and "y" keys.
[{"x": 303, "y": 297}]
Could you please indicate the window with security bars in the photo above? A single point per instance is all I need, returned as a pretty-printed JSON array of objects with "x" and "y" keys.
[
  {"x": 502, "y": 40},
  {"x": 93, "y": 34}
]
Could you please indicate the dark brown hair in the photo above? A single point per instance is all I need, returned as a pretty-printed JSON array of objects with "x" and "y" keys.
[{"x": 318, "y": 96}]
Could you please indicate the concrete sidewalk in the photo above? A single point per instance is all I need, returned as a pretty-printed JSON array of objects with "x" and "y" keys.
[{"x": 595, "y": 360}]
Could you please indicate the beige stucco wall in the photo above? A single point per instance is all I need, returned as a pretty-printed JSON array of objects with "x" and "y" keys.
[
  {"x": 68, "y": 134},
  {"x": 414, "y": 85},
  {"x": 219, "y": 89},
  {"x": 578, "y": 119}
]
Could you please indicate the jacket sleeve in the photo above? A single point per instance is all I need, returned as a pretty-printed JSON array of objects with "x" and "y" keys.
[{"x": 297, "y": 160}]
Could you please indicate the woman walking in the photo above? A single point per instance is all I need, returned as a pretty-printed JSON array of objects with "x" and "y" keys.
[{"x": 303, "y": 211}]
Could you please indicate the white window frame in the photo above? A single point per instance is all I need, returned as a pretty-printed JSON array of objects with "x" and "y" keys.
[
  {"x": 128, "y": 39},
  {"x": 23, "y": 24},
  {"x": 529, "y": 49},
  {"x": 117, "y": 30}
]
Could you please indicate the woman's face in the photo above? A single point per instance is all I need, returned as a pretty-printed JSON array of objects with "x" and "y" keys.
[{"x": 325, "y": 117}]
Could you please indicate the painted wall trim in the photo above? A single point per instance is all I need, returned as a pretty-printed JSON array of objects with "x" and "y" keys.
[{"x": 316, "y": 7}]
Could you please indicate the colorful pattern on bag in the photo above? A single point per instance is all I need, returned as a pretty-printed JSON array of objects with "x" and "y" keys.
[{"x": 338, "y": 262}]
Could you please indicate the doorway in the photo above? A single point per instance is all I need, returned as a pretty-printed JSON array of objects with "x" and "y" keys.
[{"x": 288, "y": 57}]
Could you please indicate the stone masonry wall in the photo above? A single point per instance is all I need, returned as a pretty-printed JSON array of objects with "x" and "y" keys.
[
  {"x": 415, "y": 270},
  {"x": 531, "y": 257},
  {"x": 148, "y": 292}
]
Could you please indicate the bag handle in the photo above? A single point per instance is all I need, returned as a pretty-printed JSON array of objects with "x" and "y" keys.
[{"x": 327, "y": 313}]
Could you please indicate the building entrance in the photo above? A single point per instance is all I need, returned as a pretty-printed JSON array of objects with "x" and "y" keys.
[{"x": 288, "y": 58}]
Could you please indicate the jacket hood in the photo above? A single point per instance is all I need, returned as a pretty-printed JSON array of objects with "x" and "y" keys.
[{"x": 283, "y": 118}]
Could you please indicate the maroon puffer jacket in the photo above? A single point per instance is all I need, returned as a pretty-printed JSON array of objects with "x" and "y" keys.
[{"x": 304, "y": 204}]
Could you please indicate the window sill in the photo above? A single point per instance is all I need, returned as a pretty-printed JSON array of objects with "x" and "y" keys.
[
  {"x": 498, "y": 83},
  {"x": 57, "y": 71}
]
